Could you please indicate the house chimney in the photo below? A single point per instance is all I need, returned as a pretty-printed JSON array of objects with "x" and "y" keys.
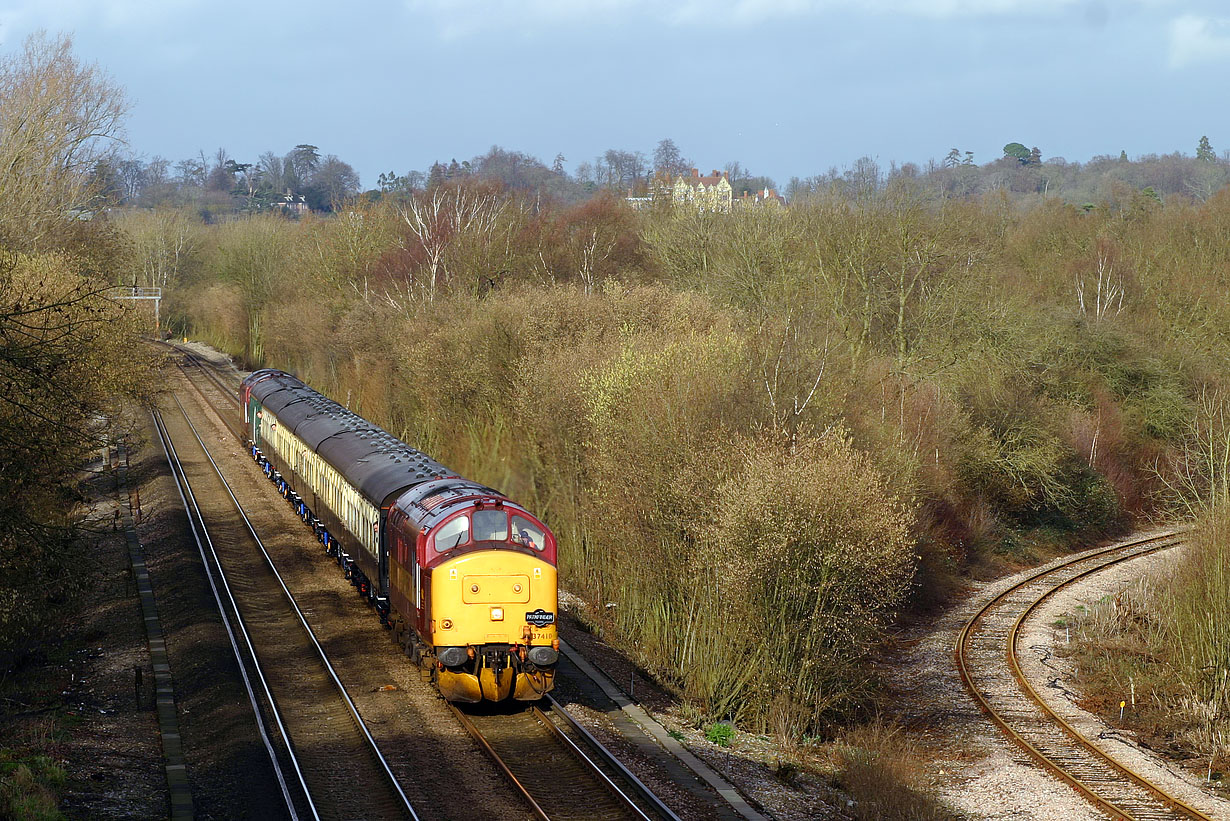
[{"x": 696, "y": 173}]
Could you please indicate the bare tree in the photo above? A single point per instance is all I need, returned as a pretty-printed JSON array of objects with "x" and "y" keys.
[
  {"x": 668, "y": 160},
  {"x": 333, "y": 182},
  {"x": 622, "y": 170},
  {"x": 190, "y": 173},
  {"x": 163, "y": 240},
  {"x": 785, "y": 376},
  {"x": 437, "y": 219},
  {"x": 59, "y": 118},
  {"x": 1107, "y": 294},
  {"x": 132, "y": 178},
  {"x": 273, "y": 171},
  {"x": 594, "y": 250}
]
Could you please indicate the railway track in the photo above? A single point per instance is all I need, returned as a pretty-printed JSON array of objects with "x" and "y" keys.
[
  {"x": 331, "y": 767},
  {"x": 559, "y": 776},
  {"x": 988, "y": 660},
  {"x": 555, "y": 765}
]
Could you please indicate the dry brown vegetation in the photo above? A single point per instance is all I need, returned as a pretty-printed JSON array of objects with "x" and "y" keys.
[
  {"x": 760, "y": 436},
  {"x": 877, "y": 765},
  {"x": 1165, "y": 643}
]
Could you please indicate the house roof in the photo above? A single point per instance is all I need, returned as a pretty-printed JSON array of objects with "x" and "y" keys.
[{"x": 695, "y": 179}]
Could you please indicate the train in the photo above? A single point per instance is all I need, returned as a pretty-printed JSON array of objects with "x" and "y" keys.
[{"x": 463, "y": 576}]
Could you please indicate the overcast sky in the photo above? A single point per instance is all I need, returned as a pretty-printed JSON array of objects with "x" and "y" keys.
[{"x": 785, "y": 87}]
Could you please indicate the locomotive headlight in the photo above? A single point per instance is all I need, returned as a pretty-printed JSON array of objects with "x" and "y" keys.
[
  {"x": 497, "y": 614},
  {"x": 452, "y": 656},
  {"x": 543, "y": 656}
]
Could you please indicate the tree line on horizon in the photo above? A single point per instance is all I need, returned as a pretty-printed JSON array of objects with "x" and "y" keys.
[{"x": 219, "y": 184}]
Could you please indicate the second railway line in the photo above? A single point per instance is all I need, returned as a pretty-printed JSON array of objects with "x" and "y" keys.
[{"x": 988, "y": 655}]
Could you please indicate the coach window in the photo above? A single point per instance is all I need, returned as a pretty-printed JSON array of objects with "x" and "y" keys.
[
  {"x": 454, "y": 532},
  {"x": 527, "y": 533},
  {"x": 490, "y": 526}
]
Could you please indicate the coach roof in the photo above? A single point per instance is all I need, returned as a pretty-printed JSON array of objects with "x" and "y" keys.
[{"x": 377, "y": 463}]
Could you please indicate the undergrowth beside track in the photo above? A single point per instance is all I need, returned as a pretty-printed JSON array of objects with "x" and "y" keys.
[{"x": 1162, "y": 645}]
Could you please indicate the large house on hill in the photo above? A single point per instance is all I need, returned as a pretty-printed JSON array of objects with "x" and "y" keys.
[{"x": 710, "y": 193}]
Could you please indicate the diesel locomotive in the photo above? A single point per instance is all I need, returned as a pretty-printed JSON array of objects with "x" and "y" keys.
[{"x": 462, "y": 575}]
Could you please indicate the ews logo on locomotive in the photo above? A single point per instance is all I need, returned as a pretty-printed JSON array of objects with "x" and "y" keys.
[{"x": 540, "y": 618}]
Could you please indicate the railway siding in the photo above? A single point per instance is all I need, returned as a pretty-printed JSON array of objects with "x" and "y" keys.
[
  {"x": 987, "y": 660},
  {"x": 1051, "y": 676}
]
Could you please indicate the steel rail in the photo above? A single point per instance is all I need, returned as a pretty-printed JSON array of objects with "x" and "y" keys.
[
  {"x": 638, "y": 785},
  {"x": 1019, "y": 675},
  {"x": 212, "y": 375},
  {"x": 1128, "y": 551},
  {"x": 222, "y": 417},
  {"x": 570, "y": 747},
  {"x": 184, "y": 488},
  {"x": 333, "y": 676},
  {"x": 209, "y": 370},
  {"x": 477, "y": 735},
  {"x": 574, "y": 748}
]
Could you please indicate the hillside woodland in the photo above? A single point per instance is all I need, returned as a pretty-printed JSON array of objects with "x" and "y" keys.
[{"x": 764, "y": 438}]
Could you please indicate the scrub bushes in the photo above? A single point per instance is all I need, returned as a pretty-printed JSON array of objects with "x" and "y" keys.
[
  {"x": 1167, "y": 640},
  {"x": 760, "y": 435},
  {"x": 812, "y": 553}
]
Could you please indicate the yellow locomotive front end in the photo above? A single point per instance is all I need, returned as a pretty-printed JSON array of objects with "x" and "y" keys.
[{"x": 493, "y": 625}]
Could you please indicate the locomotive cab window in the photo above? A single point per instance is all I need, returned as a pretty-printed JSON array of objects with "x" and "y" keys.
[
  {"x": 527, "y": 533},
  {"x": 490, "y": 526},
  {"x": 453, "y": 533}
]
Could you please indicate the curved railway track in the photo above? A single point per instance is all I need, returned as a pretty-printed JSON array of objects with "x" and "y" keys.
[
  {"x": 340, "y": 771},
  {"x": 989, "y": 663}
]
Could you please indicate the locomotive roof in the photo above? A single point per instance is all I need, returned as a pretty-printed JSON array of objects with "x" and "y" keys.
[
  {"x": 375, "y": 461},
  {"x": 429, "y": 502}
]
